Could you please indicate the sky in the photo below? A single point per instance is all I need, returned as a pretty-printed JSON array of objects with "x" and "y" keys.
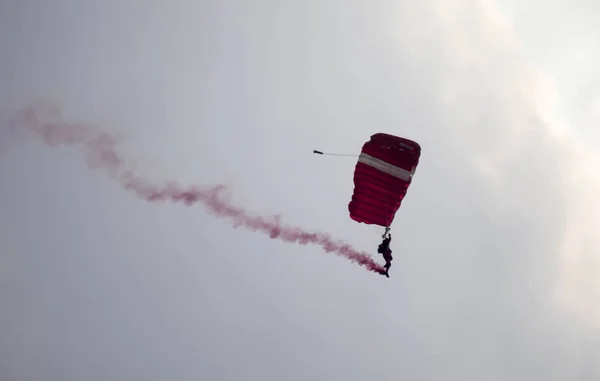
[{"x": 496, "y": 256}]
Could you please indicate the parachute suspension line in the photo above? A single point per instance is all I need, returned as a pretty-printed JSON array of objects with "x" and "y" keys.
[
  {"x": 333, "y": 154},
  {"x": 387, "y": 230}
]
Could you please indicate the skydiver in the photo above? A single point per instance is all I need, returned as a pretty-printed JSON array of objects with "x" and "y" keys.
[
  {"x": 387, "y": 256},
  {"x": 384, "y": 249},
  {"x": 385, "y": 245}
]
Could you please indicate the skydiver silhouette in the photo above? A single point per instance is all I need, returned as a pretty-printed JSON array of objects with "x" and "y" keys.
[
  {"x": 385, "y": 245},
  {"x": 384, "y": 249}
]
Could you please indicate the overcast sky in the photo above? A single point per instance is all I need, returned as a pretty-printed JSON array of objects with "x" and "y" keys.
[{"x": 497, "y": 265}]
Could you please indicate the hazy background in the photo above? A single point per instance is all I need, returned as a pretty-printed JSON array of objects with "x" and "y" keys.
[{"x": 496, "y": 248}]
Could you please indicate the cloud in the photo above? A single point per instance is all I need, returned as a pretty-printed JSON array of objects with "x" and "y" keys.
[
  {"x": 496, "y": 258},
  {"x": 528, "y": 189}
]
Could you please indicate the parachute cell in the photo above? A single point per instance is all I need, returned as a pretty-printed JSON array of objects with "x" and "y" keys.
[{"x": 382, "y": 176}]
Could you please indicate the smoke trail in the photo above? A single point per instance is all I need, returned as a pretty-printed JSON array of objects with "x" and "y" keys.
[{"x": 100, "y": 149}]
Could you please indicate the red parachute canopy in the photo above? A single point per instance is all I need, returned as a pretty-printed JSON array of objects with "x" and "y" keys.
[{"x": 382, "y": 176}]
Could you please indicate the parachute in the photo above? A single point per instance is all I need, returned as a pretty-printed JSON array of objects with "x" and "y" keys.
[{"x": 382, "y": 175}]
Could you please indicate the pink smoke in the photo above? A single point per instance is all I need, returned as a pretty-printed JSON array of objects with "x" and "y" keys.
[{"x": 100, "y": 149}]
